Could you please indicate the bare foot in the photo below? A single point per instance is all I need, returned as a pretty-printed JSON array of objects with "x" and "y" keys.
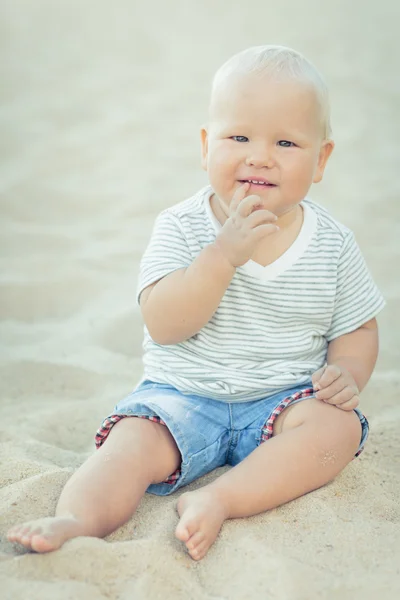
[
  {"x": 45, "y": 535},
  {"x": 202, "y": 515}
]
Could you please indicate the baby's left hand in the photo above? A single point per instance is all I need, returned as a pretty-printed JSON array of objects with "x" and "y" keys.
[{"x": 335, "y": 385}]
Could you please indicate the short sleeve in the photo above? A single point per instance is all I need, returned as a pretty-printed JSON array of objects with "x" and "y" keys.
[
  {"x": 357, "y": 297},
  {"x": 166, "y": 252}
]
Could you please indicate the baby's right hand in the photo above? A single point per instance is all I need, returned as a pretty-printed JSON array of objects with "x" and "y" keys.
[{"x": 245, "y": 227}]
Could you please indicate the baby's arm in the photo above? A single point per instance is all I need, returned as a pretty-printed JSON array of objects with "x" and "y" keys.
[
  {"x": 350, "y": 361},
  {"x": 180, "y": 304},
  {"x": 177, "y": 306}
]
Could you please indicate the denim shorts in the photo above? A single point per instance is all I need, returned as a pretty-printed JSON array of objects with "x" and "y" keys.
[{"x": 209, "y": 433}]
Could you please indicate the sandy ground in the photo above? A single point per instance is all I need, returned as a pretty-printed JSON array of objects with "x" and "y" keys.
[{"x": 100, "y": 112}]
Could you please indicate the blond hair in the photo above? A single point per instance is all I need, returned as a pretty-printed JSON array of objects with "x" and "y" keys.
[{"x": 279, "y": 62}]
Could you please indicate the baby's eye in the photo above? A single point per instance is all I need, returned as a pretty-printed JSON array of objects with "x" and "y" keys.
[
  {"x": 285, "y": 144},
  {"x": 239, "y": 138}
]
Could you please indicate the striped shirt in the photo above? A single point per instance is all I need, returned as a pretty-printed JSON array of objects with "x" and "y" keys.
[{"x": 273, "y": 325}]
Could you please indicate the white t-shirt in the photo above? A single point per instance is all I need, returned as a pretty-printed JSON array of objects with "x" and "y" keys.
[{"x": 272, "y": 327}]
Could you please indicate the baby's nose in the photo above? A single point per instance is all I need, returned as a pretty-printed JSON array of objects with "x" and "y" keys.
[{"x": 260, "y": 158}]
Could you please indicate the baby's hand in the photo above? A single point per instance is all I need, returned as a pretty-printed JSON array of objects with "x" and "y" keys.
[
  {"x": 335, "y": 385},
  {"x": 245, "y": 227}
]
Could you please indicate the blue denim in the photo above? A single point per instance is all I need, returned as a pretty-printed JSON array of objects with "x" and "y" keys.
[{"x": 209, "y": 433}]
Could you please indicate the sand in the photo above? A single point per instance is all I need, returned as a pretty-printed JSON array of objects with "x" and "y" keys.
[{"x": 101, "y": 104}]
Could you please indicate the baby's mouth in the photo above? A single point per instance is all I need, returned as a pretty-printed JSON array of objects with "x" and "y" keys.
[{"x": 258, "y": 182}]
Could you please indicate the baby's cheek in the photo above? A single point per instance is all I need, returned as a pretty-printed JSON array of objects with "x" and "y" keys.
[
  {"x": 222, "y": 160},
  {"x": 225, "y": 153},
  {"x": 304, "y": 177}
]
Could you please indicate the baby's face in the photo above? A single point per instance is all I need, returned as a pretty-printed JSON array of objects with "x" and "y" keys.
[{"x": 270, "y": 133}]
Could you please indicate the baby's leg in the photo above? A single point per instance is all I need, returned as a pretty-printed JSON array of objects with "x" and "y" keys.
[
  {"x": 106, "y": 490},
  {"x": 312, "y": 443}
]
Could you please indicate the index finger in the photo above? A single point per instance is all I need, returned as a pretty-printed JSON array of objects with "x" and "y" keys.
[
  {"x": 331, "y": 373},
  {"x": 238, "y": 196}
]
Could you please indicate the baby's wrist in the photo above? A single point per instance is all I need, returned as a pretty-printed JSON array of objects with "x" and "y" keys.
[{"x": 223, "y": 255}]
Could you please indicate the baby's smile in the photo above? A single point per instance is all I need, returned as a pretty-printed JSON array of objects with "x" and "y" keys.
[{"x": 259, "y": 182}]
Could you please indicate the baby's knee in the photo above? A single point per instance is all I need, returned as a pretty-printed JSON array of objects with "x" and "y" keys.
[
  {"x": 321, "y": 417},
  {"x": 132, "y": 428},
  {"x": 152, "y": 436},
  {"x": 331, "y": 435}
]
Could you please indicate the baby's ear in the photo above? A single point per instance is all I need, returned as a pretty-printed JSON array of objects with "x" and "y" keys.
[
  {"x": 204, "y": 147},
  {"x": 326, "y": 150}
]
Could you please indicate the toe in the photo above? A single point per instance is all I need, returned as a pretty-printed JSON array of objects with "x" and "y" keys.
[
  {"x": 40, "y": 543},
  {"x": 195, "y": 540},
  {"x": 199, "y": 552},
  {"x": 16, "y": 534},
  {"x": 182, "y": 532},
  {"x": 25, "y": 541},
  {"x": 194, "y": 554},
  {"x": 12, "y": 534},
  {"x": 46, "y": 534},
  {"x": 24, "y": 531},
  {"x": 26, "y": 535}
]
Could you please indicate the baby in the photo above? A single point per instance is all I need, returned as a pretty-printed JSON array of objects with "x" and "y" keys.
[{"x": 260, "y": 327}]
